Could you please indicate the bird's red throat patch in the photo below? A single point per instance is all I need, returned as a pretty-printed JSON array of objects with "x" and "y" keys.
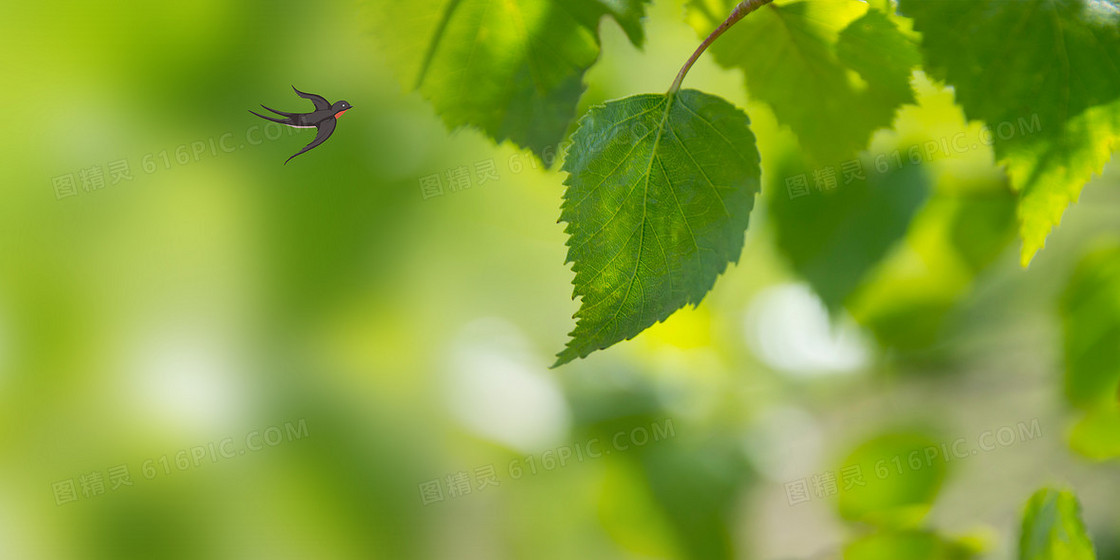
[{"x": 339, "y": 114}]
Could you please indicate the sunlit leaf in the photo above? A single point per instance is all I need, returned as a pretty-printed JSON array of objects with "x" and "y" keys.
[
  {"x": 1045, "y": 76},
  {"x": 1053, "y": 529},
  {"x": 512, "y": 68},
  {"x": 660, "y": 189},
  {"x": 832, "y": 70}
]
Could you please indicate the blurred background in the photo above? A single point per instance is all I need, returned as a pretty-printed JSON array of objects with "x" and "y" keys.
[{"x": 207, "y": 354}]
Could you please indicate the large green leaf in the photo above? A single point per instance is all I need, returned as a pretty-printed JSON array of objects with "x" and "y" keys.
[
  {"x": 1045, "y": 76},
  {"x": 513, "y": 68},
  {"x": 1091, "y": 320},
  {"x": 1053, "y": 529},
  {"x": 832, "y": 70},
  {"x": 660, "y": 189}
]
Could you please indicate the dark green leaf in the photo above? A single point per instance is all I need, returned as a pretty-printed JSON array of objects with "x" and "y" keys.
[
  {"x": 1045, "y": 76},
  {"x": 839, "y": 229},
  {"x": 512, "y": 68}
]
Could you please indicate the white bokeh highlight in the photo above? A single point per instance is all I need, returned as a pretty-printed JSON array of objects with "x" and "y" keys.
[
  {"x": 788, "y": 328},
  {"x": 187, "y": 379},
  {"x": 784, "y": 443},
  {"x": 499, "y": 390}
]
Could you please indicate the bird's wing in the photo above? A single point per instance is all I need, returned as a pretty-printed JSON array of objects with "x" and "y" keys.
[
  {"x": 320, "y": 103},
  {"x": 326, "y": 128}
]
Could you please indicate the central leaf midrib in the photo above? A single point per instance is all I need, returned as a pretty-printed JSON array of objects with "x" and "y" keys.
[{"x": 669, "y": 99}]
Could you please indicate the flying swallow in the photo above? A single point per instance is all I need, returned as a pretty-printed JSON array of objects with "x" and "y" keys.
[{"x": 323, "y": 119}]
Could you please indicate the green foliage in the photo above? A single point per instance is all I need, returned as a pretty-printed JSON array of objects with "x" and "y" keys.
[
  {"x": 1053, "y": 529},
  {"x": 514, "y": 69},
  {"x": 901, "y": 239},
  {"x": 898, "y": 249},
  {"x": 660, "y": 190},
  {"x": 803, "y": 58},
  {"x": 1091, "y": 318},
  {"x": 966, "y": 223},
  {"x": 1043, "y": 75}
]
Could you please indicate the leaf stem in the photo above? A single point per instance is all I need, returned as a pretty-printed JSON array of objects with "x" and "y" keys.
[{"x": 740, "y": 11}]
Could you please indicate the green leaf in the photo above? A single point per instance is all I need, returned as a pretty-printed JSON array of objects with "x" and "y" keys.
[
  {"x": 660, "y": 190},
  {"x": 1053, "y": 529},
  {"x": 1091, "y": 319},
  {"x": 1045, "y": 76},
  {"x": 901, "y": 472},
  {"x": 833, "y": 236},
  {"x": 832, "y": 70},
  {"x": 513, "y": 68}
]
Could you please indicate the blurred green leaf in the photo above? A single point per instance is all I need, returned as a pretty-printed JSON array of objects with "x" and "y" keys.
[
  {"x": 1090, "y": 310},
  {"x": 955, "y": 236},
  {"x": 902, "y": 474},
  {"x": 514, "y": 69},
  {"x": 660, "y": 190},
  {"x": 1091, "y": 318},
  {"x": 697, "y": 484},
  {"x": 801, "y": 58},
  {"x": 908, "y": 545},
  {"x": 833, "y": 238},
  {"x": 1053, "y": 529},
  {"x": 967, "y": 222},
  {"x": 1042, "y": 74}
]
